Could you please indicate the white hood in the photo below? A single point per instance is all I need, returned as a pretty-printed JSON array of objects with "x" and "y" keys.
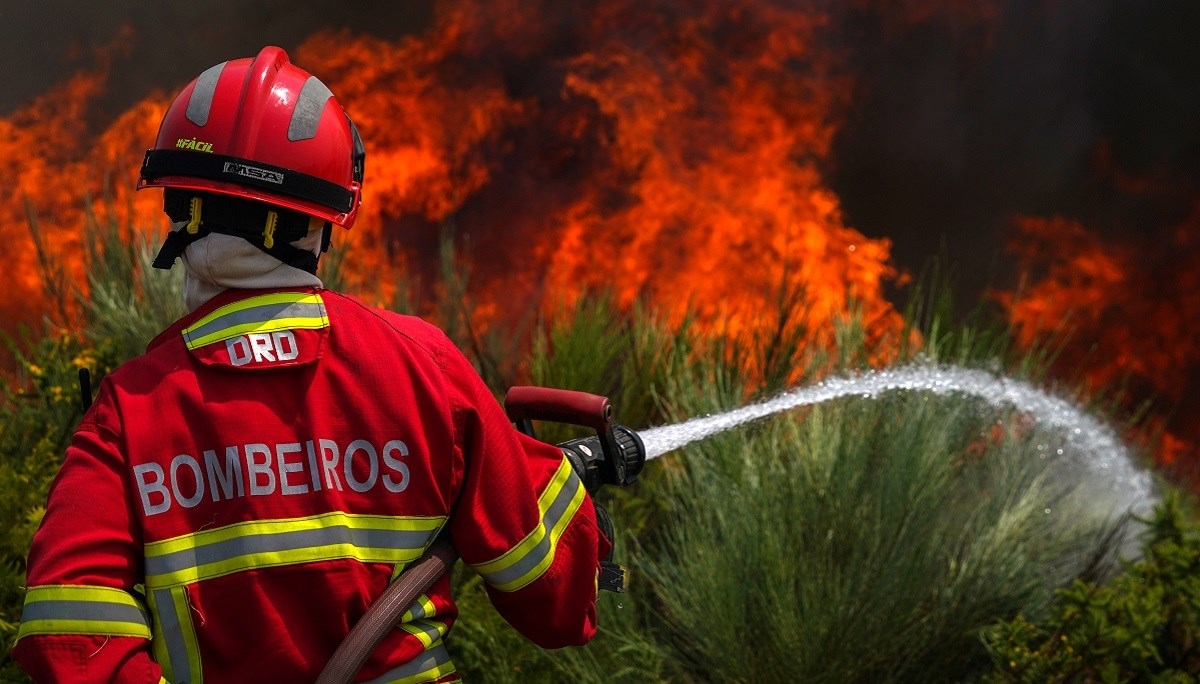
[{"x": 219, "y": 262}]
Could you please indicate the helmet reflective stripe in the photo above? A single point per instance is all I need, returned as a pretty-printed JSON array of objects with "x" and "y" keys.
[
  {"x": 526, "y": 561},
  {"x": 307, "y": 114},
  {"x": 434, "y": 664},
  {"x": 245, "y": 546},
  {"x": 175, "y": 645},
  {"x": 265, "y": 313},
  {"x": 201, "y": 101},
  {"x": 81, "y": 609}
]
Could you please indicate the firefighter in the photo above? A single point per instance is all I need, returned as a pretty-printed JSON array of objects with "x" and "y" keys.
[{"x": 237, "y": 497}]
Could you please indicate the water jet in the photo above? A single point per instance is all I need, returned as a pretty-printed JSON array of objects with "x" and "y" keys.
[{"x": 1086, "y": 441}]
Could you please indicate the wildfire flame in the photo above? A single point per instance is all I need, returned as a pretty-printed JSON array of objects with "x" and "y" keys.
[
  {"x": 57, "y": 170},
  {"x": 677, "y": 161},
  {"x": 1122, "y": 310},
  {"x": 676, "y": 155}
]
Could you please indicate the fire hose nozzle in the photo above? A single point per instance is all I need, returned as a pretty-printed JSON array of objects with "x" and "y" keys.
[
  {"x": 615, "y": 455},
  {"x": 616, "y": 464}
]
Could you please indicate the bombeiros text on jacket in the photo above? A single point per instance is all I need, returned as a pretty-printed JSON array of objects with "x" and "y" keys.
[{"x": 256, "y": 469}]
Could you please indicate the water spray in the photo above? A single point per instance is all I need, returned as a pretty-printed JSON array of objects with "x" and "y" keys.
[{"x": 1087, "y": 441}]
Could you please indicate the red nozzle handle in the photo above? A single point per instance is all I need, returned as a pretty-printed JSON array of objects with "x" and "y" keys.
[{"x": 558, "y": 406}]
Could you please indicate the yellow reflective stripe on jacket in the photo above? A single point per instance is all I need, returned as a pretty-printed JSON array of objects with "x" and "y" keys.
[
  {"x": 422, "y": 607},
  {"x": 261, "y": 314},
  {"x": 175, "y": 645},
  {"x": 80, "y": 609},
  {"x": 428, "y": 632},
  {"x": 420, "y": 621},
  {"x": 430, "y": 666},
  {"x": 526, "y": 561},
  {"x": 267, "y": 543}
]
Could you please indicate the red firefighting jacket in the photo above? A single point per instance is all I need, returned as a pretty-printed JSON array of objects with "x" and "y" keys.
[{"x": 237, "y": 497}]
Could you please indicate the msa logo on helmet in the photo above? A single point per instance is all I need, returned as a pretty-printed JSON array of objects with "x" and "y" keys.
[
  {"x": 262, "y": 347},
  {"x": 255, "y": 172}
]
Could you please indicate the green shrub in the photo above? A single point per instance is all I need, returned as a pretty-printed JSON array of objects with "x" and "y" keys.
[
  {"x": 127, "y": 301},
  {"x": 856, "y": 541},
  {"x": 850, "y": 544},
  {"x": 38, "y": 414},
  {"x": 1143, "y": 626}
]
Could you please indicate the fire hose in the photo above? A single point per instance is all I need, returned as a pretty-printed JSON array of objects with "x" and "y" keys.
[{"x": 614, "y": 455}]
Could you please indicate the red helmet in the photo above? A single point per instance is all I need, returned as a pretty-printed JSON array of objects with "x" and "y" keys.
[{"x": 261, "y": 129}]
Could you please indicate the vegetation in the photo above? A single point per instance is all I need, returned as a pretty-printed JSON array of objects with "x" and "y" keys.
[
  {"x": 908, "y": 538},
  {"x": 38, "y": 414},
  {"x": 1144, "y": 626}
]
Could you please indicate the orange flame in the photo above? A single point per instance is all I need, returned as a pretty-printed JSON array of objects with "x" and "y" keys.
[
  {"x": 676, "y": 159},
  {"x": 57, "y": 170},
  {"x": 670, "y": 155},
  {"x": 1125, "y": 312}
]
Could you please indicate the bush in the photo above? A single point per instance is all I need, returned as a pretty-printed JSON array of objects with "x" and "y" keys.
[
  {"x": 856, "y": 541},
  {"x": 1143, "y": 626},
  {"x": 847, "y": 544},
  {"x": 38, "y": 415},
  {"x": 127, "y": 301}
]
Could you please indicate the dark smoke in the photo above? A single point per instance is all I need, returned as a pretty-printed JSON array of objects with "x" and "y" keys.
[
  {"x": 161, "y": 45},
  {"x": 955, "y": 130},
  {"x": 1088, "y": 110}
]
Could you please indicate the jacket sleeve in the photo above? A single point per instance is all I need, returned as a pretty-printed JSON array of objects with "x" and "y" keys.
[
  {"x": 523, "y": 520},
  {"x": 83, "y": 620}
]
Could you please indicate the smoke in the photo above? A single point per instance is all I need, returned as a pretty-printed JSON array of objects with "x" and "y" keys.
[
  {"x": 162, "y": 45},
  {"x": 960, "y": 124},
  {"x": 1073, "y": 119}
]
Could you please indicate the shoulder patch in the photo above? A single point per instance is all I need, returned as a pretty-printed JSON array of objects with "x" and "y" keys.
[{"x": 266, "y": 331}]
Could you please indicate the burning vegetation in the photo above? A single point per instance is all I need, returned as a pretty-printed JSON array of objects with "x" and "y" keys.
[
  {"x": 678, "y": 161},
  {"x": 1121, "y": 311},
  {"x": 676, "y": 154}
]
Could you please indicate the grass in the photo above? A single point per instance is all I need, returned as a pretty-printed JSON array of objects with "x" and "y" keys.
[{"x": 850, "y": 544}]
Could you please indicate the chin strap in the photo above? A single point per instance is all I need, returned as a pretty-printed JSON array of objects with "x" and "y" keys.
[{"x": 271, "y": 229}]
